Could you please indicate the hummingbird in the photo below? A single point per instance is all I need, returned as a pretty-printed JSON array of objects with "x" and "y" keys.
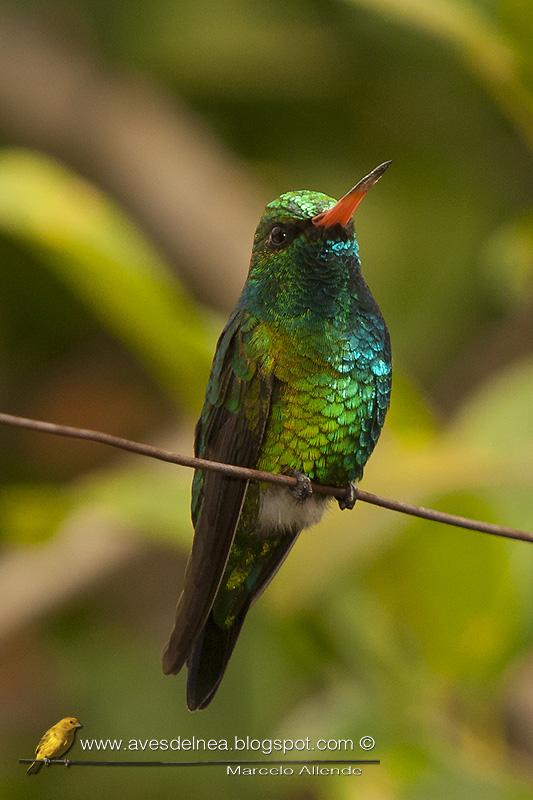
[{"x": 300, "y": 385}]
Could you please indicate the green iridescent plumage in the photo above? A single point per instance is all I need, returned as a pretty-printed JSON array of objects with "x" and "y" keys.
[{"x": 300, "y": 383}]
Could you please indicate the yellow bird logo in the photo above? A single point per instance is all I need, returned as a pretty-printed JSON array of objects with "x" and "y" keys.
[{"x": 55, "y": 742}]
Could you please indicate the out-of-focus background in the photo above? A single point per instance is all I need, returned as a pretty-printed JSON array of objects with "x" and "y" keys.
[{"x": 139, "y": 143}]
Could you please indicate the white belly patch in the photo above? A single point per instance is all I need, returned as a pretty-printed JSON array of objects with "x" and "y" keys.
[{"x": 279, "y": 509}]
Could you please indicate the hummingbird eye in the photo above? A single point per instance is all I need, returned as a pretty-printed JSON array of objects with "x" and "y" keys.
[{"x": 278, "y": 236}]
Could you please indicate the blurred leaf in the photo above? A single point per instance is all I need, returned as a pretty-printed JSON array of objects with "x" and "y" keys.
[
  {"x": 516, "y": 16},
  {"x": 450, "y": 594},
  {"x": 207, "y": 46},
  {"x": 102, "y": 258},
  {"x": 486, "y": 51},
  {"x": 152, "y": 501},
  {"x": 498, "y": 417},
  {"x": 155, "y": 501},
  {"x": 32, "y": 514},
  {"x": 410, "y": 416},
  {"x": 508, "y": 260}
]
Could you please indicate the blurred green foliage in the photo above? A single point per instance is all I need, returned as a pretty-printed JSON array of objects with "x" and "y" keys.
[{"x": 412, "y": 633}]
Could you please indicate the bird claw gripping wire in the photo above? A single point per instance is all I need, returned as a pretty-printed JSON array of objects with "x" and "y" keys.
[
  {"x": 348, "y": 502},
  {"x": 303, "y": 489}
]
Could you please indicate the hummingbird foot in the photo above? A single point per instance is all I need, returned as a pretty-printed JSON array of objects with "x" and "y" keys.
[
  {"x": 349, "y": 500},
  {"x": 47, "y": 762},
  {"x": 303, "y": 489},
  {"x": 68, "y": 762}
]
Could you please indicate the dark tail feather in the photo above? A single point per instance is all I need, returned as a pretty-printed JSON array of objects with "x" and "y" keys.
[
  {"x": 209, "y": 659},
  {"x": 213, "y": 648},
  {"x": 34, "y": 768}
]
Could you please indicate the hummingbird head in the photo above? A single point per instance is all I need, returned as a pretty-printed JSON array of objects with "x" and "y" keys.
[{"x": 305, "y": 251}]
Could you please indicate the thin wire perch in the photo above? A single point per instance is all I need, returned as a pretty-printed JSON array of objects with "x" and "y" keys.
[{"x": 258, "y": 475}]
